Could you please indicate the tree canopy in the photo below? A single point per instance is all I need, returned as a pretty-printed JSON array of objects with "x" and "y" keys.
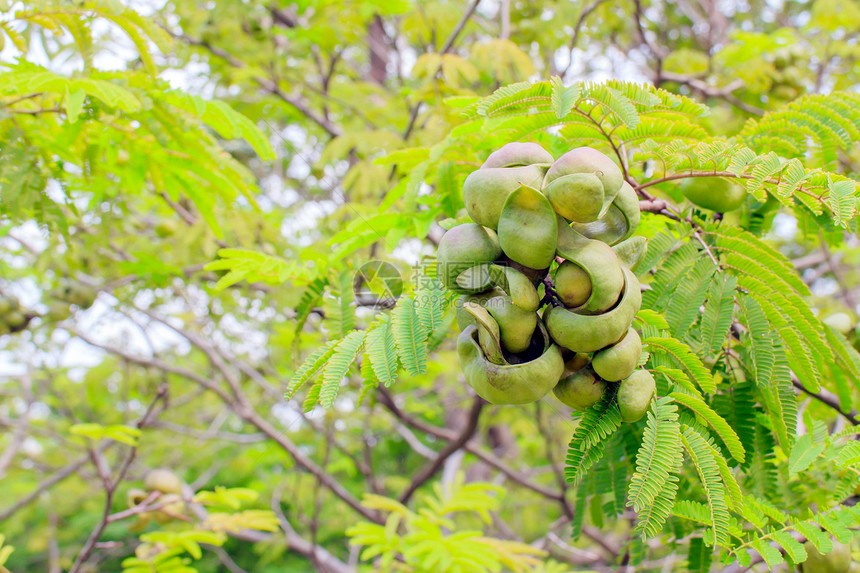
[{"x": 224, "y": 344}]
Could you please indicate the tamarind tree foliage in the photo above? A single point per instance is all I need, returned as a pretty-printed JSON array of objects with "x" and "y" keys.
[{"x": 225, "y": 344}]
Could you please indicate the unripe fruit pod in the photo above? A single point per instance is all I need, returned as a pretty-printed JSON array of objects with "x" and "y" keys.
[
  {"x": 173, "y": 507},
  {"x": 714, "y": 193},
  {"x": 162, "y": 480},
  {"x": 516, "y": 325},
  {"x": 837, "y": 561},
  {"x": 58, "y": 310},
  {"x": 576, "y": 197},
  {"x": 634, "y": 395},
  {"x": 591, "y": 161},
  {"x": 15, "y": 319},
  {"x": 618, "y": 223},
  {"x": 462, "y": 248},
  {"x": 579, "y": 361},
  {"x": 486, "y": 190},
  {"x": 630, "y": 252},
  {"x": 605, "y": 276},
  {"x": 489, "y": 335},
  {"x": 619, "y": 360},
  {"x": 135, "y": 496},
  {"x": 517, "y": 154},
  {"x": 572, "y": 284},
  {"x": 581, "y": 390},
  {"x": 509, "y": 383},
  {"x": 464, "y": 318},
  {"x": 587, "y": 333},
  {"x": 5, "y": 305},
  {"x": 528, "y": 229}
]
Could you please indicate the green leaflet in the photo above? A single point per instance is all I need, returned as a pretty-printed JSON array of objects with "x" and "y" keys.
[
  {"x": 587, "y": 444},
  {"x": 702, "y": 457},
  {"x": 723, "y": 429},
  {"x": 345, "y": 353},
  {"x": 658, "y": 457},
  {"x": 410, "y": 336},
  {"x": 382, "y": 352}
]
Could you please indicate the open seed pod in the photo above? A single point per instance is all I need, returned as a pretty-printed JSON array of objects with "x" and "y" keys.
[
  {"x": 520, "y": 288},
  {"x": 630, "y": 251},
  {"x": 582, "y": 183},
  {"x": 464, "y": 317},
  {"x": 527, "y": 228},
  {"x": 489, "y": 335},
  {"x": 619, "y": 360},
  {"x": 580, "y": 390},
  {"x": 619, "y": 221},
  {"x": 587, "y": 333},
  {"x": 590, "y": 280},
  {"x": 516, "y": 325},
  {"x": 634, "y": 395},
  {"x": 509, "y": 383},
  {"x": 460, "y": 249},
  {"x": 485, "y": 190}
]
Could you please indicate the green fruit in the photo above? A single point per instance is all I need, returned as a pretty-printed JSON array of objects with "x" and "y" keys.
[
  {"x": 588, "y": 160},
  {"x": 516, "y": 325},
  {"x": 486, "y": 190},
  {"x": 173, "y": 506},
  {"x": 462, "y": 248},
  {"x": 579, "y": 361},
  {"x": 5, "y": 305},
  {"x": 605, "y": 276},
  {"x": 489, "y": 335},
  {"x": 837, "y": 561},
  {"x": 135, "y": 496},
  {"x": 16, "y": 319},
  {"x": 630, "y": 252},
  {"x": 517, "y": 154},
  {"x": 581, "y": 390},
  {"x": 618, "y": 223},
  {"x": 464, "y": 318},
  {"x": 528, "y": 229},
  {"x": 509, "y": 383},
  {"x": 523, "y": 292},
  {"x": 58, "y": 311},
  {"x": 714, "y": 193},
  {"x": 576, "y": 197},
  {"x": 634, "y": 395},
  {"x": 587, "y": 333},
  {"x": 162, "y": 480},
  {"x": 619, "y": 360},
  {"x": 572, "y": 284}
]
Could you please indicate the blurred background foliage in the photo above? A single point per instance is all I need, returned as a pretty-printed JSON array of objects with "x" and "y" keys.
[{"x": 138, "y": 140}]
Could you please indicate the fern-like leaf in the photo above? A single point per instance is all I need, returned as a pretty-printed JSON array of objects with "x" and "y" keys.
[
  {"x": 381, "y": 351},
  {"x": 345, "y": 353},
  {"x": 410, "y": 336},
  {"x": 588, "y": 442},
  {"x": 684, "y": 357},
  {"x": 702, "y": 457},
  {"x": 658, "y": 455},
  {"x": 723, "y": 429}
]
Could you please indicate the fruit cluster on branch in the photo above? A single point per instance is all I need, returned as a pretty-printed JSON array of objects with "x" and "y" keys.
[{"x": 574, "y": 216}]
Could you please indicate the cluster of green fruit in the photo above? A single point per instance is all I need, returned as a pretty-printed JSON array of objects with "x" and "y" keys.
[
  {"x": 169, "y": 499},
  {"x": 13, "y": 317},
  {"x": 531, "y": 211}
]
